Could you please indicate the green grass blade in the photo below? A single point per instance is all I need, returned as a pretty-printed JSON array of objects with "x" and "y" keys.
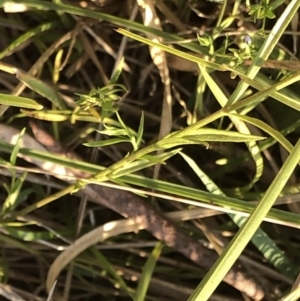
[
  {"x": 269, "y": 90},
  {"x": 242, "y": 238},
  {"x": 268, "y": 129},
  {"x": 203, "y": 135},
  {"x": 107, "y": 266},
  {"x": 263, "y": 85},
  {"x": 161, "y": 186},
  {"x": 189, "y": 57},
  {"x": 71, "y": 9},
  {"x": 21, "y": 102},
  {"x": 42, "y": 88},
  {"x": 242, "y": 128},
  {"x": 260, "y": 239},
  {"x": 147, "y": 272},
  {"x": 26, "y": 36}
]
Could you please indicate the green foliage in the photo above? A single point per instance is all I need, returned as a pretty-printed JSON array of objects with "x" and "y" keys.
[
  {"x": 261, "y": 11},
  {"x": 21, "y": 102},
  {"x": 14, "y": 194},
  {"x": 123, "y": 134},
  {"x": 102, "y": 97},
  {"x": 206, "y": 41},
  {"x": 244, "y": 106}
]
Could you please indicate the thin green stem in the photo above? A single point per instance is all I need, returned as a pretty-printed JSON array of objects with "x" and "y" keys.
[{"x": 104, "y": 175}]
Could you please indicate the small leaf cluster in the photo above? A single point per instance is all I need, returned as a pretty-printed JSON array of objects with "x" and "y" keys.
[
  {"x": 103, "y": 98},
  {"x": 120, "y": 134},
  {"x": 261, "y": 11},
  {"x": 206, "y": 41},
  {"x": 247, "y": 51}
]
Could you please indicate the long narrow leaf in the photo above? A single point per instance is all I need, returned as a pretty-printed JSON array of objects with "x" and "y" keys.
[
  {"x": 148, "y": 270},
  {"x": 21, "y": 102},
  {"x": 242, "y": 238}
]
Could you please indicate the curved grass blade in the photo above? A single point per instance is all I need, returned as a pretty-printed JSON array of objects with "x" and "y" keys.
[
  {"x": 242, "y": 128},
  {"x": 268, "y": 129}
]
